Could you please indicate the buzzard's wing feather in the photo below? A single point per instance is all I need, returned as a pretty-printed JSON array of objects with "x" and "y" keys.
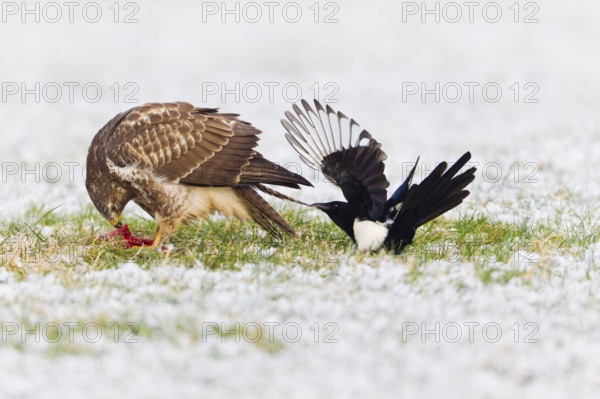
[
  {"x": 225, "y": 168},
  {"x": 171, "y": 139},
  {"x": 183, "y": 143},
  {"x": 323, "y": 139},
  {"x": 195, "y": 146}
]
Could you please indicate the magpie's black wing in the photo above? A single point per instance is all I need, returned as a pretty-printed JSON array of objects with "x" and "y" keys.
[{"x": 323, "y": 139}]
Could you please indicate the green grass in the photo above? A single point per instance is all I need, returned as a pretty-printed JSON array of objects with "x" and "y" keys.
[
  {"x": 44, "y": 241},
  {"x": 49, "y": 241}
]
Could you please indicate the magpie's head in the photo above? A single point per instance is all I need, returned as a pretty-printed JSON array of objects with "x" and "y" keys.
[{"x": 341, "y": 213}]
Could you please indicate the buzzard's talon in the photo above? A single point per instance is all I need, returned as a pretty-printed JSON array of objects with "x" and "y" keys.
[{"x": 158, "y": 236}]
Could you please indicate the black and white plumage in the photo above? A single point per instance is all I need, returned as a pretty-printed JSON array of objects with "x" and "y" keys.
[{"x": 324, "y": 140}]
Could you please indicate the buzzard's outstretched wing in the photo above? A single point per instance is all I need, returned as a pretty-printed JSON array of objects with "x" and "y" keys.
[{"x": 323, "y": 139}]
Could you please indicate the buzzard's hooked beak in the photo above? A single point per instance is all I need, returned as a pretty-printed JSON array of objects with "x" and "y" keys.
[{"x": 116, "y": 222}]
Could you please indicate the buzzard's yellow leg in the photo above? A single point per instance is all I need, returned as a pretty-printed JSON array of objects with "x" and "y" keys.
[{"x": 158, "y": 236}]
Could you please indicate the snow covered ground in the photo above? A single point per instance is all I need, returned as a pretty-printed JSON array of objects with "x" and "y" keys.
[{"x": 536, "y": 160}]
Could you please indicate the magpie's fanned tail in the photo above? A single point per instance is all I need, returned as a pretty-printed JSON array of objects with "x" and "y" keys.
[{"x": 438, "y": 193}]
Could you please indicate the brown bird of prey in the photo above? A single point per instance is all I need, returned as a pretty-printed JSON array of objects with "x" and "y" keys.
[{"x": 180, "y": 163}]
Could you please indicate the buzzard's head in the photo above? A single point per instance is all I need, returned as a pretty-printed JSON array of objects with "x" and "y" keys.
[{"x": 107, "y": 194}]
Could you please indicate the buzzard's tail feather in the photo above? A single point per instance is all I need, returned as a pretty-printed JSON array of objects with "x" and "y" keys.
[
  {"x": 261, "y": 170},
  {"x": 262, "y": 213},
  {"x": 279, "y": 195}
]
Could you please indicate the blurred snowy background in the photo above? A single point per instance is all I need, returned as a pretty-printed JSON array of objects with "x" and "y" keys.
[
  {"x": 366, "y": 65},
  {"x": 364, "y": 62}
]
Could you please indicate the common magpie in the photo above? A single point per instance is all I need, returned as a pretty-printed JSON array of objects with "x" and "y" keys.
[{"x": 323, "y": 139}]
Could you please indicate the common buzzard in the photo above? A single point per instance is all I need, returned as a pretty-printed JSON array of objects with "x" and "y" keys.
[{"x": 180, "y": 163}]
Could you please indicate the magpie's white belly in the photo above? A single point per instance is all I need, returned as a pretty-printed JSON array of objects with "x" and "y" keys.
[{"x": 369, "y": 235}]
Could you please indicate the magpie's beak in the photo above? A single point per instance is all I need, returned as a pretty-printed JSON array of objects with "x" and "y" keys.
[
  {"x": 322, "y": 206},
  {"x": 116, "y": 222}
]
